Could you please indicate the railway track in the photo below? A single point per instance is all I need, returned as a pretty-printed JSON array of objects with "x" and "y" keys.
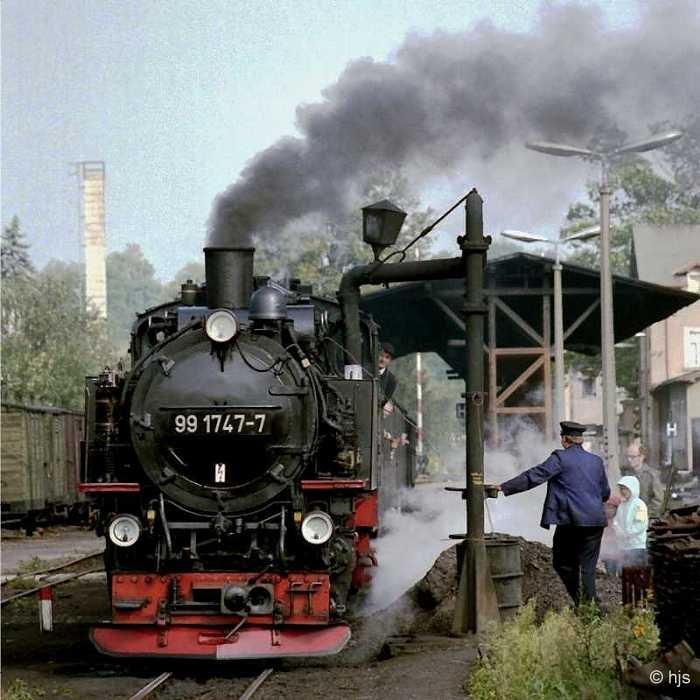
[
  {"x": 52, "y": 570},
  {"x": 157, "y": 682},
  {"x": 151, "y": 686},
  {"x": 253, "y": 687}
]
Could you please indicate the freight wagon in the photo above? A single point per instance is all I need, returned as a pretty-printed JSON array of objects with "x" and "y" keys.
[{"x": 40, "y": 462}]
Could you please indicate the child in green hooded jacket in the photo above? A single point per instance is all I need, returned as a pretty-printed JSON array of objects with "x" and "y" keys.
[{"x": 631, "y": 522}]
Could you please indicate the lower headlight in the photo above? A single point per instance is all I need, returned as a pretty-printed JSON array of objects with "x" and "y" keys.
[
  {"x": 124, "y": 530},
  {"x": 317, "y": 527}
]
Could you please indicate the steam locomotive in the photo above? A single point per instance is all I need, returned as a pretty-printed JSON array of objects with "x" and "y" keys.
[{"x": 237, "y": 471}]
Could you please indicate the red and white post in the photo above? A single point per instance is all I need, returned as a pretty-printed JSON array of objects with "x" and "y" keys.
[{"x": 45, "y": 596}]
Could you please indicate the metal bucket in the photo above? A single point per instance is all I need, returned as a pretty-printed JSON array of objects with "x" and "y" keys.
[{"x": 506, "y": 572}]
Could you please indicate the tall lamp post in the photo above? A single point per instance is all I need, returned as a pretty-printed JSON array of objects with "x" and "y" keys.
[
  {"x": 526, "y": 237},
  {"x": 607, "y": 339}
]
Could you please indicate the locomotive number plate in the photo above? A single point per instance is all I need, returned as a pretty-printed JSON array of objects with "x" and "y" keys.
[{"x": 231, "y": 423}]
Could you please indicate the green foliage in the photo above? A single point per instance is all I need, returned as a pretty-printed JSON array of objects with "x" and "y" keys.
[
  {"x": 320, "y": 255},
  {"x": 441, "y": 428},
  {"x": 567, "y": 656},
  {"x": 683, "y": 157},
  {"x": 50, "y": 341},
  {"x": 191, "y": 271},
  {"x": 14, "y": 255},
  {"x": 131, "y": 287},
  {"x": 640, "y": 195},
  {"x": 626, "y": 366},
  {"x": 29, "y": 566},
  {"x": 20, "y": 690}
]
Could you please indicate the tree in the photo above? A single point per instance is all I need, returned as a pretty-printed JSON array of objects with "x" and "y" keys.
[
  {"x": 321, "y": 255},
  {"x": 14, "y": 254},
  {"x": 53, "y": 342},
  {"x": 683, "y": 157},
  {"x": 640, "y": 195},
  {"x": 191, "y": 271},
  {"x": 131, "y": 287}
]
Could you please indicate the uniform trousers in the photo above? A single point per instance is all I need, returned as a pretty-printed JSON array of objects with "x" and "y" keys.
[{"x": 575, "y": 551}]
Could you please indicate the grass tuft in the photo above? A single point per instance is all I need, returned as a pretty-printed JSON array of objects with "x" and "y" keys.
[
  {"x": 568, "y": 656},
  {"x": 19, "y": 690}
]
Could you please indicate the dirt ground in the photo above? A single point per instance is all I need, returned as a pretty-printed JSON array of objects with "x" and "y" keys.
[
  {"x": 65, "y": 665},
  {"x": 420, "y": 661},
  {"x": 49, "y": 545}
]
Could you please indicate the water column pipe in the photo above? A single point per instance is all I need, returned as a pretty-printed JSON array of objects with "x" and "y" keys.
[
  {"x": 476, "y": 599},
  {"x": 382, "y": 273}
]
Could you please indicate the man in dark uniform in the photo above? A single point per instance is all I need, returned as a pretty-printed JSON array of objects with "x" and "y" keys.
[
  {"x": 387, "y": 381},
  {"x": 577, "y": 487}
]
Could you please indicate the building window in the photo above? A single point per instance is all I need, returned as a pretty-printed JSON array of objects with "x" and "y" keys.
[
  {"x": 691, "y": 337},
  {"x": 588, "y": 386}
]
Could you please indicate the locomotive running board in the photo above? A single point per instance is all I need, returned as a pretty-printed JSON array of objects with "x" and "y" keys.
[{"x": 195, "y": 642}]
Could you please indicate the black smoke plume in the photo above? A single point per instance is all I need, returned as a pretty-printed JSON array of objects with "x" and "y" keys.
[{"x": 461, "y": 105}]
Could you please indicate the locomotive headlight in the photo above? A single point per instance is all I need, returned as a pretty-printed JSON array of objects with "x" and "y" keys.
[
  {"x": 124, "y": 530},
  {"x": 221, "y": 326},
  {"x": 317, "y": 527}
]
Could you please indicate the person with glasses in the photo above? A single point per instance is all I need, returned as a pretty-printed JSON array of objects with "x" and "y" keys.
[{"x": 650, "y": 489}]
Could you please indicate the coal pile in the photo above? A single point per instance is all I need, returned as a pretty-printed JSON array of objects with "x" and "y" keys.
[
  {"x": 674, "y": 548},
  {"x": 428, "y": 607}
]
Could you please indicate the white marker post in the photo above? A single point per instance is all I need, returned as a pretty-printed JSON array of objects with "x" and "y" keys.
[{"x": 46, "y": 609}]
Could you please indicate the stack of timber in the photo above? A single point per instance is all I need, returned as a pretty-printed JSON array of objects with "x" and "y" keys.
[{"x": 674, "y": 546}]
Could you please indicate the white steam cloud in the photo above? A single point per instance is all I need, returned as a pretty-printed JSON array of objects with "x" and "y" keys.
[{"x": 413, "y": 537}]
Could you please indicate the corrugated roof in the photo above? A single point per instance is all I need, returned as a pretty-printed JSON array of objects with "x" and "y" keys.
[{"x": 414, "y": 317}]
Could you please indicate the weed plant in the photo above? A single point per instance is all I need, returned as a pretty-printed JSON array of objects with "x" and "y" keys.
[{"x": 570, "y": 656}]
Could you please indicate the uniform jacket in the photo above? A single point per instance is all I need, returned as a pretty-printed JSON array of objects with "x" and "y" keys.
[
  {"x": 650, "y": 489},
  {"x": 577, "y": 486},
  {"x": 631, "y": 520},
  {"x": 387, "y": 382}
]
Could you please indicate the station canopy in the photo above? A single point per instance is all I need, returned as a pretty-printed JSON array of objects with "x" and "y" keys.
[{"x": 427, "y": 316}]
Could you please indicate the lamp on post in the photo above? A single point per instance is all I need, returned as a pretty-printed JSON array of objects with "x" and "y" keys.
[
  {"x": 607, "y": 338},
  {"x": 381, "y": 224},
  {"x": 526, "y": 237}
]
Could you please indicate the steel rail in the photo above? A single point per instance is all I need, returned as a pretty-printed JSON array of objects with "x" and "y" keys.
[
  {"x": 151, "y": 686},
  {"x": 253, "y": 687},
  {"x": 30, "y": 591},
  {"x": 58, "y": 567}
]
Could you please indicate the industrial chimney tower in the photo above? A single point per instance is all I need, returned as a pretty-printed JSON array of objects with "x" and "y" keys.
[{"x": 92, "y": 187}]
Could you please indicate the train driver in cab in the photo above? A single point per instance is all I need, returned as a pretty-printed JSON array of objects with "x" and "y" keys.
[{"x": 387, "y": 380}]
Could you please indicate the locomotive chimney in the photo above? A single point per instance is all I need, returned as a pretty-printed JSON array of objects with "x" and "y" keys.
[{"x": 229, "y": 275}]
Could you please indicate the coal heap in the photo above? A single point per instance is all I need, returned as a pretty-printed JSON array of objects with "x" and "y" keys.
[{"x": 428, "y": 607}]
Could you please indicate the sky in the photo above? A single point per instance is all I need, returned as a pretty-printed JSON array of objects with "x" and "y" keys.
[{"x": 176, "y": 96}]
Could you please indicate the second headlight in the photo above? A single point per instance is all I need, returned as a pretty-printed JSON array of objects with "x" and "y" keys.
[
  {"x": 124, "y": 530},
  {"x": 317, "y": 527}
]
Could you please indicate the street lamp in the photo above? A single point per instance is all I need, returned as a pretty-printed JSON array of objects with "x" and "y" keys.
[
  {"x": 607, "y": 338},
  {"x": 526, "y": 237}
]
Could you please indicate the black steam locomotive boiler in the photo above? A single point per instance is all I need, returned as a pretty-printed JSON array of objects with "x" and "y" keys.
[{"x": 236, "y": 467}]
